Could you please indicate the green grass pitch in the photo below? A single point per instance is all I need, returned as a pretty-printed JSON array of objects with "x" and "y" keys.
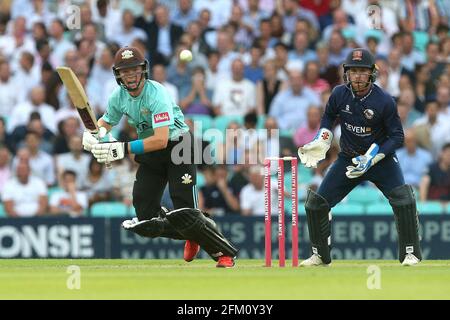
[{"x": 177, "y": 280}]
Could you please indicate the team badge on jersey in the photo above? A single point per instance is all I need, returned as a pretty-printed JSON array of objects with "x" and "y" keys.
[
  {"x": 368, "y": 113},
  {"x": 186, "y": 179}
]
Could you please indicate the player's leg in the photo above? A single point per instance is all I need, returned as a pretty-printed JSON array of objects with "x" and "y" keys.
[
  {"x": 198, "y": 226},
  {"x": 388, "y": 177},
  {"x": 334, "y": 187},
  {"x": 182, "y": 188},
  {"x": 147, "y": 192}
]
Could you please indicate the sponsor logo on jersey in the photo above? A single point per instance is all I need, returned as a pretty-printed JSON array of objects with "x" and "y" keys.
[
  {"x": 360, "y": 131},
  {"x": 161, "y": 117},
  {"x": 368, "y": 113},
  {"x": 347, "y": 109},
  {"x": 127, "y": 54}
]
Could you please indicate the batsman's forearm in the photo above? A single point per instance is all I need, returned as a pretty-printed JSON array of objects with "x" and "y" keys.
[{"x": 104, "y": 124}]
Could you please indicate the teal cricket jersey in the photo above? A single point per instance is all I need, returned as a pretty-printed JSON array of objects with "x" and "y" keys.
[{"x": 153, "y": 108}]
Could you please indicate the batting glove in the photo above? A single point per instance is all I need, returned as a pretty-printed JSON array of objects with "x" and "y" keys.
[
  {"x": 364, "y": 162},
  {"x": 310, "y": 154},
  {"x": 89, "y": 139},
  {"x": 109, "y": 151}
]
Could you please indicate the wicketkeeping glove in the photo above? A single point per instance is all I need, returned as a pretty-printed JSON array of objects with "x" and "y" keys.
[
  {"x": 364, "y": 162},
  {"x": 107, "y": 152},
  {"x": 311, "y": 153}
]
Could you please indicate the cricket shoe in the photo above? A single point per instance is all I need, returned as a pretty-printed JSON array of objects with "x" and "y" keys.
[
  {"x": 191, "y": 249},
  {"x": 410, "y": 260},
  {"x": 225, "y": 262},
  {"x": 313, "y": 261}
]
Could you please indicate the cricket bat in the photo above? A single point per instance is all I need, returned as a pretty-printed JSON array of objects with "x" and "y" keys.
[{"x": 79, "y": 99}]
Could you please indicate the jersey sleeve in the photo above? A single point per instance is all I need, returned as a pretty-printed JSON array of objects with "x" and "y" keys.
[
  {"x": 331, "y": 112},
  {"x": 162, "y": 110},
  {"x": 393, "y": 127},
  {"x": 113, "y": 113}
]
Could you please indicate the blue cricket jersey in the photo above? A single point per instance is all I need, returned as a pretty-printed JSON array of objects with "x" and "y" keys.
[{"x": 372, "y": 118}]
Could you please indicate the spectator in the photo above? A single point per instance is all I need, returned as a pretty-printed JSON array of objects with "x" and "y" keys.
[
  {"x": 340, "y": 25},
  {"x": 243, "y": 35},
  {"x": 14, "y": 44},
  {"x": 337, "y": 49},
  {"x": 225, "y": 47},
  {"x": 159, "y": 74},
  {"x": 231, "y": 151},
  {"x": 69, "y": 200},
  {"x": 184, "y": 14},
  {"x": 68, "y": 128},
  {"x": 418, "y": 15},
  {"x": 253, "y": 15},
  {"x": 312, "y": 78},
  {"x": 41, "y": 163},
  {"x": 21, "y": 114},
  {"x": 413, "y": 160},
  {"x": 8, "y": 90},
  {"x": 75, "y": 161},
  {"x": 289, "y": 107},
  {"x": 301, "y": 51},
  {"x": 163, "y": 36},
  {"x": 27, "y": 75},
  {"x": 410, "y": 56},
  {"x": 435, "y": 185},
  {"x": 5, "y": 167},
  {"x": 24, "y": 195},
  {"x": 306, "y": 134},
  {"x": 212, "y": 72},
  {"x": 58, "y": 43},
  {"x": 146, "y": 18},
  {"x": 267, "y": 88},
  {"x": 99, "y": 76},
  {"x": 436, "y": 127},
  {"x": 443, "y": 100},
  {"x": 220, "y": 11},
  {"x": 34, "y": 124},
  {"x": 179, "y": 73},
  {"x": 5, "y": 139},
  {"x": 128, "y": 31},
  {"x": 235, "y": 96},
  {"x": 291, "y": 12},
  {"x": 253, "y": 71},
  {"x": 98, "y": 183},
  {"x": 252, "y": 195},
  {"x": 395, "y": 70},
  {"x": 217, "y": 197},
  {"x": 198, "y": 101}
]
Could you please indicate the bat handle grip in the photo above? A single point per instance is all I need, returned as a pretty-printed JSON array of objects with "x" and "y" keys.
[{"x": 108, "y": 165}]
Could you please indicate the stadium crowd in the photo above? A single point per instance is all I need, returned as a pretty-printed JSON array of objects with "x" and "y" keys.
[{"x": 256, "y": 64}]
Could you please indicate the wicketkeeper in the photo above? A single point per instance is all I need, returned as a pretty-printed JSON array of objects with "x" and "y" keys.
[
  {"x": 160, "y": 126},
  {"x": 371, "y": 132}
]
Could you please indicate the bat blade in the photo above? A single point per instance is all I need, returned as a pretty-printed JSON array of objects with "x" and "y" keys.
[{"x": 78, "y": 97}]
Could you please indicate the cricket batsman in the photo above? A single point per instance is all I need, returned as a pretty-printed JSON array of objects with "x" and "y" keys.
[
  {"x": 160, "y": 126},
  {"x": 371, "y": 132}
]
